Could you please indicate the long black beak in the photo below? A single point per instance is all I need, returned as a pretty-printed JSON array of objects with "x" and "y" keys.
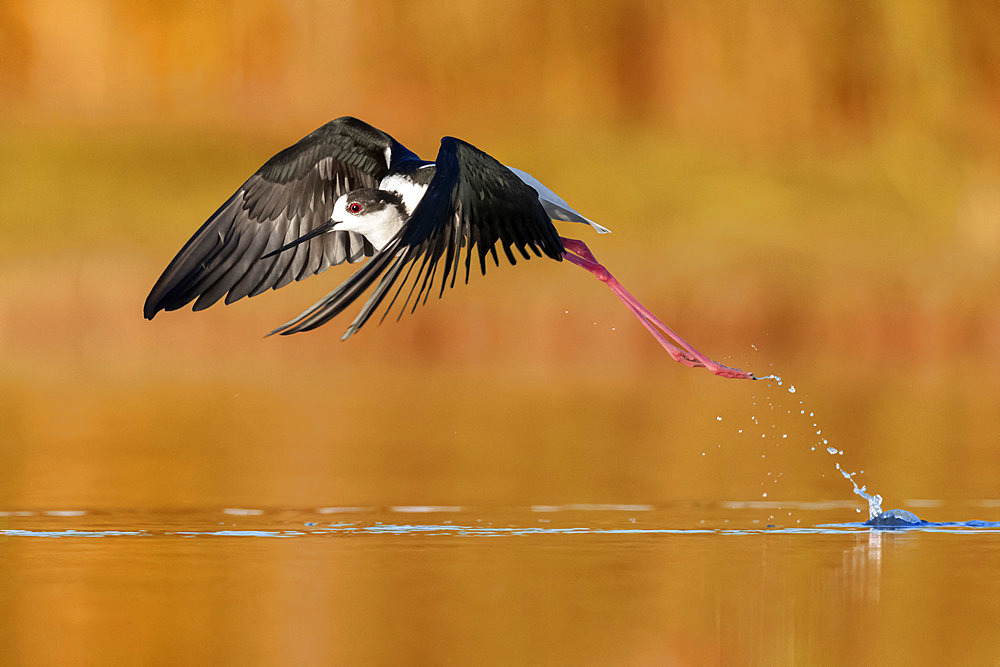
[{"x": 322, "y": 229}]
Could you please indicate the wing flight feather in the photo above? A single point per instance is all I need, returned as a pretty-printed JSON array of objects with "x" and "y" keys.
[{"x": 290, "y": 195}]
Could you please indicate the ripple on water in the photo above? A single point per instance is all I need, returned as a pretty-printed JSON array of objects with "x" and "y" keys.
[
  {"x": 728, "y": 518},
  {"x": 591, "y": 507}
]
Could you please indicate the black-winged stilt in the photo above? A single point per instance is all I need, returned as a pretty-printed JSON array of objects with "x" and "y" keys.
[{"x": 348, "y": 191}]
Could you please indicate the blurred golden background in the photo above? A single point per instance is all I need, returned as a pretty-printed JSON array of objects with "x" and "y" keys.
[
  {"x": 809, "y": 188},
  {"x": 806, "y": 188}
]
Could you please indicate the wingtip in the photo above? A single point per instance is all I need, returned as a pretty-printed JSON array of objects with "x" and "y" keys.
[
  {"x": 600, "y": 229},
  {"x": 149, "y": 310}
]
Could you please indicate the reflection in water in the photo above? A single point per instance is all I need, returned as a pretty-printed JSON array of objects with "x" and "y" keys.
[{"x": 861, "y": 572}]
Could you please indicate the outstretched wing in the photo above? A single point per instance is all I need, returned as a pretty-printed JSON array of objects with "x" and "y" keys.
[
  {"x": 473, "y": 200},
  {"x": 292, "y": 194}
]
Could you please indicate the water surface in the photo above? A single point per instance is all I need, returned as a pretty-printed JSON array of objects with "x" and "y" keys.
[{"x": 585, "y": 583}]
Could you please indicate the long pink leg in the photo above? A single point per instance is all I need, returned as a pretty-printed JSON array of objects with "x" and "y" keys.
[{"x": 578, "y": 253}]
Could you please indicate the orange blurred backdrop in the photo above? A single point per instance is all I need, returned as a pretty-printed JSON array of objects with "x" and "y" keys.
[
  {"x": 808, "y": 188},
  {"x": 804, "y": 187}
]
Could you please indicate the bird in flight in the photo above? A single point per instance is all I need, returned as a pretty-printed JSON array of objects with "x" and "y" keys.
[{"x": 349, "y": 191}]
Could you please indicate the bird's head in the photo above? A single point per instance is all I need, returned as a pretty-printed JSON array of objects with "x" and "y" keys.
[{"x": 375, "y": 214}]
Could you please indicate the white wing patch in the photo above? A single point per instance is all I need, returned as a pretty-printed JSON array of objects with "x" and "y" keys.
[{"x": 553, "y": 204}]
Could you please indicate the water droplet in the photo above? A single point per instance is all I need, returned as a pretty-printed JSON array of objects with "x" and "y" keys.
[
  {"x": 764, "y": 495},
  {"x": 831, "y": 450},
  {"x": 784, "y": 435},
  {"x": 719, "y": 418},
  {"x": 791, "y": 389},
  {"x": 739, "y": 430}
]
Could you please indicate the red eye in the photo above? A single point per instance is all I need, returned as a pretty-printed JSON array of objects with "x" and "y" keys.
[{"x": 354, "y": 207}]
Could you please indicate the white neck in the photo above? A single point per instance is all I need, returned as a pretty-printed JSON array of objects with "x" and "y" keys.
[
  {"x": 382, "y": 226},
  {"x": 411, "y": 192}
]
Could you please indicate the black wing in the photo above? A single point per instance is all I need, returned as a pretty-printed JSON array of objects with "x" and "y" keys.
[
  {"x": 292, "y": 194},
  {"x": 473, "y": 200}
]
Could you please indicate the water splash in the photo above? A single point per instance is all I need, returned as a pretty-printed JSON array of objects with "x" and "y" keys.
[
  {"x": 897, "y": 519},
  {"x": 874, "y": 502}
]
